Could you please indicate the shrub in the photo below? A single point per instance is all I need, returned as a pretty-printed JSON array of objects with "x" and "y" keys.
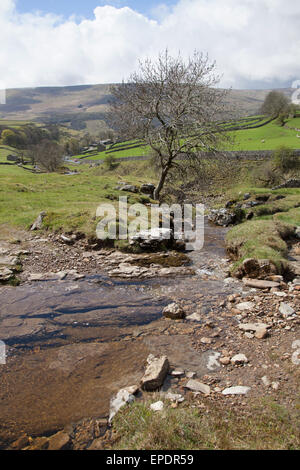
[
  {"x": 284, "y": 159},
  {"x": 110, "y": 162}
]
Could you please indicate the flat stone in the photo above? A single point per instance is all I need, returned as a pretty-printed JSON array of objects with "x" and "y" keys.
[
  {"x": 254, "y": 327},
  {"x": 197, "y": 386},
  {"x": 286, "y": 310},
  {"x": 244, "y": 306},
  {"x": 239, "y": 390},
  {"x": 260, "y": 284},
  {"x": 194, "y": 317},
  {"x": 155, "y": 373},
  {"x": 177, "y": 373}
]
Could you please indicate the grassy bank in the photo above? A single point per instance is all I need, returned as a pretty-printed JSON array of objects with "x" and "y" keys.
[
  {"x": 69, "y": 200},
  {"x": 263, "y": 425}
]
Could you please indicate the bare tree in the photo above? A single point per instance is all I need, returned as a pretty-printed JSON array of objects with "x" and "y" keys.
[
  {"x": 48, "y": 155},
  {"x": 172, "y": 105}
]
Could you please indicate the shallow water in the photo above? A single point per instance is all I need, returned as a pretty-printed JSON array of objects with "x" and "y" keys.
[{"x": 81, "y": 339}]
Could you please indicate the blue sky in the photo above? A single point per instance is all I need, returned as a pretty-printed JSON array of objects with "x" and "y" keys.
[{"x": 85, "y": 8}]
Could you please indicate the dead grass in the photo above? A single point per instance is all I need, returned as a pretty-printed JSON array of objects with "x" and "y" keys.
[{"x": 263, "y": 425}]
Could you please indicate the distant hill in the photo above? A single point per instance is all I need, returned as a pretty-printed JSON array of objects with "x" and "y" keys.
[{"x": 84, "y": 107}]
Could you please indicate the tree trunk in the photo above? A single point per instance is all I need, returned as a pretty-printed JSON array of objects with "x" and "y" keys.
[{"x": 161, "y": 183}]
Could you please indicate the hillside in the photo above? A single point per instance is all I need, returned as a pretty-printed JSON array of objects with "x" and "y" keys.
[{"x": 84, "y": 107}]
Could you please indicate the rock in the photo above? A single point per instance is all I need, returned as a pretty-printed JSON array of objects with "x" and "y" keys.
[
  {"x": 222, "y": 217},
  {"x": 195, "y": 317},
  {"x": 197, "y": 386},
  {"x": 174, "y": 397},
  {"x": 37, "y": 225},
  {"x": 118, "y": 401},
  {"x": 266, "y": 381},
  {"x": 247, "y": 196},
  {"x": 225, "y": 361},
  {"x": 20, "y": 443},
  {"x": 205, "y": 340},
  {"x": 67, "y": 240},
  {"x": 40, "y": 443},
  {"x": 260, "y": 284},
  {"x": 296, "y": 344},
  {"x": 153, "y": 239},
  {"x": 6, "y": 274},
  {"x": 239, "y": 359},
  {"x": 258, "y": 268},
  {"x": 297, "y": 232},
  {"x": 174, "y": 311},
  {"x": 9, "y": 261},
  {"x": 147, "y": 188},
  {"x": 155, "y": 373},
  {"x": 177, "y": 373},
  {"x": 129, "y": 188},
  {"x": 286, "y": 310},
  {"x": 190, "y": 375},
  {"x": 261, "y": 333},
  {"x": 244, "y": 306},
  {"x": 133, "y": 389},
  {"x": 275, "y": 385},
  {"x": 291, "y": 183},
  {"x": 158, "y": 406},
  {"x": 239, "y": 390},
  {"x": 59, "y": 441}
]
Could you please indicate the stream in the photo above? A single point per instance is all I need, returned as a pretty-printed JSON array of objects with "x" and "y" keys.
[{"x": 72, "y": 344}]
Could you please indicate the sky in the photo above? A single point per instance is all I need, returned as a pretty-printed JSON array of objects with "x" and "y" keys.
[{"x": 255, "y": 43}]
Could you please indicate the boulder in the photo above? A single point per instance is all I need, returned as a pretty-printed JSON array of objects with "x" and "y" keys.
[
  {"x": 222, "y": 217},
  {"x": 147, "y": 188},
  {"x": 129, "y": 188},
  {"x": 258, "y": 268},
  {"x": 153, "y": 239},
  {"x": 155, "y": 373},
  {"x": 174, "y": 311}
]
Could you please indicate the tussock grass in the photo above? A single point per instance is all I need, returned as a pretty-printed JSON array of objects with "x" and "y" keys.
[{"x": 266, "y": 425}]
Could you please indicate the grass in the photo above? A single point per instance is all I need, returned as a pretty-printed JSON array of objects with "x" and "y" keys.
[
  {"x": 267, "y": 137},
  {"x": 70, "y": 201},
  {"x": 266, "y": 426}
]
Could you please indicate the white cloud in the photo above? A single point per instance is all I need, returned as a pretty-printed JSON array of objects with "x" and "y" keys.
[{"x": 253, "y": 41}]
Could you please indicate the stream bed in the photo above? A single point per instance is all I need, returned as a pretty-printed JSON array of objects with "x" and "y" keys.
[{"x": 72, "y": 344}]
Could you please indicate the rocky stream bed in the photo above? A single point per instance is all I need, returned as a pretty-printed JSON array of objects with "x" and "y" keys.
[{"x": 82, "y": 323}]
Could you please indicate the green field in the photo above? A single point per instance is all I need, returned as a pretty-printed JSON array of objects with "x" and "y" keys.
[{"x": 267, "y": 137}]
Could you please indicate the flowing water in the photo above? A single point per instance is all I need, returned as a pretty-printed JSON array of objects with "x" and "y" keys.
[{"x": 70, "y": 345}]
